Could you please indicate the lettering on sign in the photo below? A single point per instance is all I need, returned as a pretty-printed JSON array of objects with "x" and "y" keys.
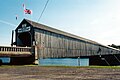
[{"x": 24, "y": 29}]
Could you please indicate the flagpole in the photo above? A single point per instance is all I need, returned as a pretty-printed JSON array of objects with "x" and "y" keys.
[
  {"x": 31, "y": 15},
  {"x": 23, "y": 10}
]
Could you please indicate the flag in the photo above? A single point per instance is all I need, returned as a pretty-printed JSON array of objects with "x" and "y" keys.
[
  {"x": 16, "y": 17},
  {"x": 27, "y": 11}
]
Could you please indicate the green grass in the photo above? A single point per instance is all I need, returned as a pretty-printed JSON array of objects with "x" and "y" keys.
[
  {"x": 58, "y": 66},
  {"x": 112, "y": 67}
]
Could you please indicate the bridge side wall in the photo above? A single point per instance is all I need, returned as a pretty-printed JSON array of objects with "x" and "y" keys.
[{"x": 54, "y": 45}]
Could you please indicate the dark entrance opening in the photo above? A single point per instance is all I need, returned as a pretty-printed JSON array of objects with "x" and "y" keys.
[{"x": 24, "y": 39}]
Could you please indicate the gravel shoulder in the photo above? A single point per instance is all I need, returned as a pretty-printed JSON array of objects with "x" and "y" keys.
[{"x": 58, "y": 73}]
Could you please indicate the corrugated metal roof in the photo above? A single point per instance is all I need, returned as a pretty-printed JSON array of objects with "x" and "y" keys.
[{"x": 44, "y": 27}]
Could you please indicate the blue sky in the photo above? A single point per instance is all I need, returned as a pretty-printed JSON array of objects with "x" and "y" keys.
[{"x": 97, "y": 20}]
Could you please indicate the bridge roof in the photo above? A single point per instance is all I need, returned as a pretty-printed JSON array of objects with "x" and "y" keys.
[{"x": 45, "y": 27}]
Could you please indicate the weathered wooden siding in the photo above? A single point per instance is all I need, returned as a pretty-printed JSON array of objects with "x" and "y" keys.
[{"x": 55, "y": 45}]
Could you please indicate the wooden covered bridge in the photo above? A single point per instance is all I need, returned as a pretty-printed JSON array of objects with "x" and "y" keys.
[{"x": 42, "y": 42}]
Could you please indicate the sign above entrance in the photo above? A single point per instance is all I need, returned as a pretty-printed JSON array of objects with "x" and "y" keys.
[{"x": 24, "y": 29}]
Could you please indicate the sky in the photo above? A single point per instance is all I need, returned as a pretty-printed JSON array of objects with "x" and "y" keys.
[{"x": 97, "y": 20}]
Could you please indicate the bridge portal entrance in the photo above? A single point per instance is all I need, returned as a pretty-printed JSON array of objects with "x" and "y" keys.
[{"x": 24, "y": 39}]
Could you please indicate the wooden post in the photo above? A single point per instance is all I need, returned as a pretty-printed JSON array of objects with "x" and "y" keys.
[
  {"x": 36, "y": 56},
  {"x": 78, "y": 61},
  {"x": 12, "y": 37}
]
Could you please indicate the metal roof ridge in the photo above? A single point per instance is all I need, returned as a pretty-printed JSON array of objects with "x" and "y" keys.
[{"x": 59, "y": 31}]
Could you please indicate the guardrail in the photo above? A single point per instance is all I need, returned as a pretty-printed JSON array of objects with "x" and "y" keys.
[
  {"x": 15, "y": 49},
  {"x": 6, "y": 51}
]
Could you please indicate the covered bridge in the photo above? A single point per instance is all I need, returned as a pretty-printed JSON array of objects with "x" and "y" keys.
[{"x": 51, "y": 44}]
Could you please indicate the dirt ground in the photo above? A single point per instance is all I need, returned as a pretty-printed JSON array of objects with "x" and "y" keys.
[{"x": 58, "y": 73}]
